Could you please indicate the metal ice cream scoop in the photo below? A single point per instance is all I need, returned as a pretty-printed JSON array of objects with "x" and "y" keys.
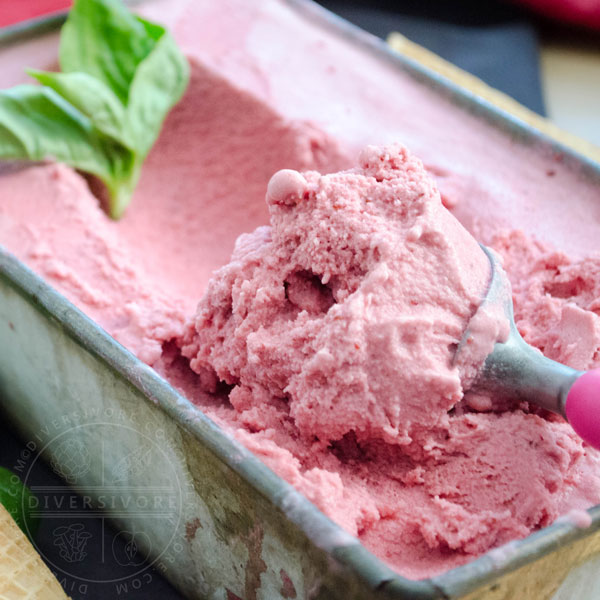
[{"x": 515, "y": 369}]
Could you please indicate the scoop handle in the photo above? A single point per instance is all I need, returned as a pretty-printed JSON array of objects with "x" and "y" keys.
[
  {"x": 582, "y": 407},
  {"x": 518, "y": 371}
]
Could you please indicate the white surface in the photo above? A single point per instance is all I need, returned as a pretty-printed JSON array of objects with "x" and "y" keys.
[{"x": 571, "y": 82}]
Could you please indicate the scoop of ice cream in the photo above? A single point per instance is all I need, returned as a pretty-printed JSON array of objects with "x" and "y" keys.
[{"x": 351, "y": 304}]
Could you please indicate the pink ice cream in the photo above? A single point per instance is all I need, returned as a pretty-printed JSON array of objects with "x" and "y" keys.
[
  {"x": 273, "y": 89},
  {"x": 350, "y": 307}
]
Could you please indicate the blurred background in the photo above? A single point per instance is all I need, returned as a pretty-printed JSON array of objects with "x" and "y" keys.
[{"x": 543, "y": 53}]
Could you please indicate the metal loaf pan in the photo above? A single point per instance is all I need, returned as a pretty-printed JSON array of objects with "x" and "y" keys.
[{"x": 234, "y": 529}]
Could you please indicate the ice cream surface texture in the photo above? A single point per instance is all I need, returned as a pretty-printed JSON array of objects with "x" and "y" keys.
[
  {"x": 350, "y": 306},
  {"x": 424, "y": 487},
  {"x": 341, "y": 321}
]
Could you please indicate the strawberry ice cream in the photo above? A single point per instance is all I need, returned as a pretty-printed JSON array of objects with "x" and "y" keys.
[
  {"x": 325, "y": 344},
  {"x": 335, "y": 330},
  {"x": 350, "y": 306}
]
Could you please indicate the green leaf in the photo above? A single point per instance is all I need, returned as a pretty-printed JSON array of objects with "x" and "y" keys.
[
  {"x": 121, "y": 191},
  {"x": 38, "y": 124},
  {"x": 102, "y": 114},
  {"x": 91, "y": 97},
  {"x": 159, "y": 82},
  {"x": 43, "y": 125},
  {"x": 102, "y": 38},
  {"x": 18, "y": 501}
]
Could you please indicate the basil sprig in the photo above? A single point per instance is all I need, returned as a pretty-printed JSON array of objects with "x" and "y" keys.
[{"x": 120, "y": 76}]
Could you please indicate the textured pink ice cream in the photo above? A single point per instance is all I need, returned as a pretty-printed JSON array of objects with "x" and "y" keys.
[
  {"x": 350, "y": 306},
  {"x": 557, "y": 299},
  {"x": 339, "y": 322},
  {"x": 131, "y": 277},
  {"x": 273, "y": 89}
]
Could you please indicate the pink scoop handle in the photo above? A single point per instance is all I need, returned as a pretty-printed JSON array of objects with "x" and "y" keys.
[{"x": 583, "y": 407}]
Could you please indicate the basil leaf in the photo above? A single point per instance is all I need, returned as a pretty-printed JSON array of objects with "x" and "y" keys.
[
  {"x": 102, "y": 114},
  {"x": 159, "y": 82},
  {"x": 102, "y": 38},
  {"x": 91, "y": 97},
  {"x": 37, "y": 124},
  {"x": 41, "y": 125},
  {"x": 121, "y": 186}
]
